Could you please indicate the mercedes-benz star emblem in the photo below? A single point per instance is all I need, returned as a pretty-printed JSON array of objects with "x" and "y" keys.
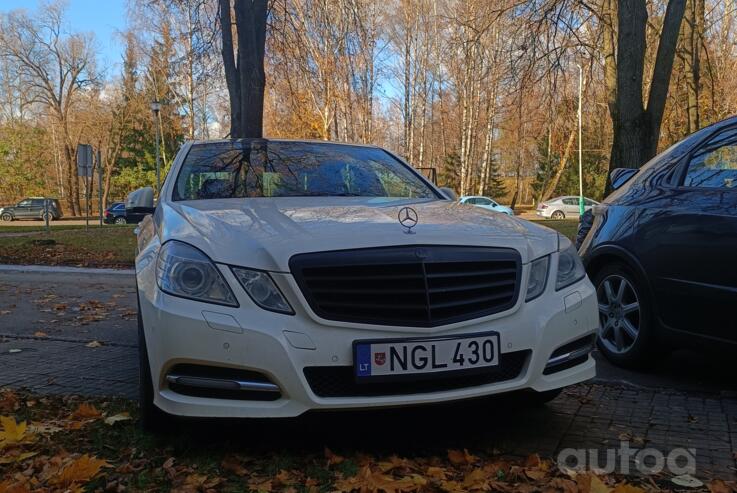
[{"x": 408, "y": 218}]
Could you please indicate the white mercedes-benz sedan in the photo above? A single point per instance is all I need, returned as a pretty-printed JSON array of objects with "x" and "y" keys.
[{"x": 276, "y": 277}]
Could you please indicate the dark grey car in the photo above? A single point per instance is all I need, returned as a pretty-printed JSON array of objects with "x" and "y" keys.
[{"x": 32, "y": 208}]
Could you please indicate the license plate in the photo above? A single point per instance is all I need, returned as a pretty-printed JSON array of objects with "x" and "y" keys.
[{"x": 387, "y": 358}]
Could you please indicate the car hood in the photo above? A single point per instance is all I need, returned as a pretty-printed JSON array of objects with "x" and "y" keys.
[{"x": 264, "y": 233}]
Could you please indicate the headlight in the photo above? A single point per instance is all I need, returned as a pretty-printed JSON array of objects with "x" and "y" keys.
[
  {"x": 262, "y": 290},
  {"x": 570, "y": 267},
  {"x": 184, "y": 271},
  {"x": 538, "y": 278}
]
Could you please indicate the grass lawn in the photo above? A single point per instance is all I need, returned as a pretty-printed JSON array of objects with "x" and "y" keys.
[
  {"x": 41, "y": 226},
  {"x": 111, "y": 246},
  {"x": 567, "y": 227}
]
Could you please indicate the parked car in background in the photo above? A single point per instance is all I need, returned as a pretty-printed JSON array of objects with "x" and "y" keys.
[
  {"x": 277, "y": 277},
  {"x": 563, "y": 207},
  {"x": 32, "y": 208},
  {"x": 486, "y": 203},
  {"x": 662, "y": 247},
  {"x": 115, "y": 214}
]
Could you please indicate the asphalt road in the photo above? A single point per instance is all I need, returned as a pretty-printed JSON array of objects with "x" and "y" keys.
[{"x": 76, "y": 306}]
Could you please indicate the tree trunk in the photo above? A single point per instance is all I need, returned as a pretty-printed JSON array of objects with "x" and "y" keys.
[
  {"x": 250, "y": 18},
  {"x": 692, "y": 35},
  {"x": 231, "y": 70},
  {"x": 636, "y": 128},
  {"x": 553, "y": 183}
]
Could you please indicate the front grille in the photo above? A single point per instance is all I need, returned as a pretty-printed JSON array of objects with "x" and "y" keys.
[
  {"x": 340, "y": 381},
  {"x": 419, "y": 286}
]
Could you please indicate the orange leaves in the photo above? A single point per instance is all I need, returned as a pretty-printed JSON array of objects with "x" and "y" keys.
[
  {"x": 86, "y": 411},
  {"x": 13, "y": 433},
  {"x": 457, "y": 457},
  {"x": 370, "y": 480},
  {"x": 61, "y": 444},
  {"x": 332, "y": 458},
  {"x": 9, "y": 401},
  {"x": 78, "y": 471}
]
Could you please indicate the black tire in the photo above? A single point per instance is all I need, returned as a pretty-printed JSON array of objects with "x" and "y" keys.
[
  {"x": 120, "y": 220},
  {"x": 151, "y": 418},
  {"x": 7, "y": 216},
  {"x": 636, "y": 352},
  {"x": 558, "y": 215}
]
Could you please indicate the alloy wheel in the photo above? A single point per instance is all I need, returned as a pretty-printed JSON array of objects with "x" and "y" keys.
[
  {"x": 558, "y": 215},
  {"x": 119, "y": 220},
  {"x": 619, "y": 313}
]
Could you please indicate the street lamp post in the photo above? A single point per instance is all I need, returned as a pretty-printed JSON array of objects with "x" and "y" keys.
[
  {"x": 155, "y": 108},
  {"x": 580, "y": 150}
]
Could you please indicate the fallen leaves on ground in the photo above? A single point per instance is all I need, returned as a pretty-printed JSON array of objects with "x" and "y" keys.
[{"x": 67, "y": 444}]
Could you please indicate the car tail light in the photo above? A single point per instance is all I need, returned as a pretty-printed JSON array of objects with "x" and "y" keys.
[{"x": 542, "y": 206}]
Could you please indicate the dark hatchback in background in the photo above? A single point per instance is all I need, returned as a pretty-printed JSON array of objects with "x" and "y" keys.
[
  {"x": 115, "y": 214},
  {"x": 32, "y": 208},
  {"x": 662, "y": 250}
]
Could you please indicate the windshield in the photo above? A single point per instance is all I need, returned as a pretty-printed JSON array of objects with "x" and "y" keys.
[{"x": 293, "y": 169}]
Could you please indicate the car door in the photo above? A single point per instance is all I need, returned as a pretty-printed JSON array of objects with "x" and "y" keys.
[
  {"x": 694, "y": 235},
  {"x": 484, "y": 202},
  {"x": 23, "y": 209},
  {"x": 570, "y": 206},
  {"x": 37, "y": 207}
]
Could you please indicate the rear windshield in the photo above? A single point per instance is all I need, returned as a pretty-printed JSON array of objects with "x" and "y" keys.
[{"x": 293, "y": 169}]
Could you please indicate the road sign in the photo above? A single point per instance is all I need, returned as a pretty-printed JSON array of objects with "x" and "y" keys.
[{"x": 84, "y": 160}]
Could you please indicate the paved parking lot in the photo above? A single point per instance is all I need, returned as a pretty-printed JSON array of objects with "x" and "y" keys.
[{"x": 76, "y": 333}]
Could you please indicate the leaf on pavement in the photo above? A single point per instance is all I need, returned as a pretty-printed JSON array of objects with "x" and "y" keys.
[
  {"x": 332, "y": 457},
  {"x": 9, "y": 402},
  {"x": 40, "y": 333},
  {"x": 458, "y": 457},
  {"x": 719, "y": 486},
  {"x": 233, "y": 465},
  {"x": 78, "y": 471},
  {"x": 15, "y": 456},
  {"x": 437, "y": 473},
  {"x": 368, "y": 480},
  {"x": 260, "y": 485},
  {"x": 564, "y": 485},
  {"x": 86, "y": 411},
  {"x": 625, "y": 487},
  {"x": 111, "y": 420},
  {"x": 93, "y": 344},
  {"x": 590, "y": 483},
  {"x": 13, "y": 433},
  {"x": 10, "y": 487}
]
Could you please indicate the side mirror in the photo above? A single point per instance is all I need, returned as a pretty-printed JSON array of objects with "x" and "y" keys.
[
  {"x": 620, "y": 176},
  {"x": 449, "y": 193},
  {"x": 140, "y": 201}
]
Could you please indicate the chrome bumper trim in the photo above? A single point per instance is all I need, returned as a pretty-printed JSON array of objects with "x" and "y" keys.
[{"x": 221, "y": 384}]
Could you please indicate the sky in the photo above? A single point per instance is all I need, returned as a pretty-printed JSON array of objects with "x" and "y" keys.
[{"x": 104, "y": 18}]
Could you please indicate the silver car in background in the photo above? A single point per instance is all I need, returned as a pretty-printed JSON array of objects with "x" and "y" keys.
[{"x": 563, "y": 207}]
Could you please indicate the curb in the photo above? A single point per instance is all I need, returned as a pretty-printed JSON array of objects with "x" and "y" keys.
[{"x": 49, "y": 269}]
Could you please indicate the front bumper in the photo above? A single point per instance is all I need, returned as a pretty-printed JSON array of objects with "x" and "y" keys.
[{"x": 182, "y": 332}]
